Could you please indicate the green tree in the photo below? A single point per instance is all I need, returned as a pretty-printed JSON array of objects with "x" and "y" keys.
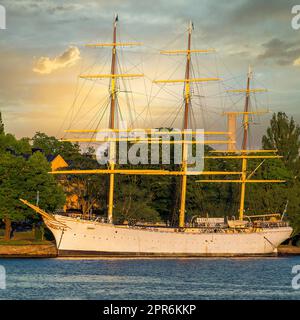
[
  {"x": 265, "y": 198},
  {"x": 284, "y": 135},
  {"x": 11, "y": 185},
  {"x": 1, "y": 125},
  {"x": 293, "y": 211},
  {"x": 134, "y": 203},
  {"x": 37, "y": 178},
  {"x": 22, "y": 179},
  {"x": 8, "y": 143},
  {"x": 90, "y": 189},
  {"x": 51, "y": 145}
]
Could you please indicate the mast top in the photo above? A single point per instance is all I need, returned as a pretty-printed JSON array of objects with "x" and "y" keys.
[
  {"x": 116, "y": 19},
  {"x": 250, "y": 71},
  {"x": 248, "y": 90},
  {"x": 191, "y": 27}
]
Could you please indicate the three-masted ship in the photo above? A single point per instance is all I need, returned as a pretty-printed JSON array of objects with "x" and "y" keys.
[{"x": 244, "y": 236}]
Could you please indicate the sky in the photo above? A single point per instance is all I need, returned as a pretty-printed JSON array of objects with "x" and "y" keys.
[{"x": 42, "y": 53}]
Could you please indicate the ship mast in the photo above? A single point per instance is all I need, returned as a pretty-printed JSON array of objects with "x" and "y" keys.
[
  {"x": 113, "y": 76},
  {"x": 113, "y": 79},
  {"x": 111, "y": 171},
  {"x": 187, "y": 101},
  {"x": 245, "y": 146},
  {"x": 185, "y": 126},
  {"x": 246, "y": 110},
  {"x": 244, "y": 150},
  {"x": 245, "y": 153},
  {"x": 112, "y": 122}
]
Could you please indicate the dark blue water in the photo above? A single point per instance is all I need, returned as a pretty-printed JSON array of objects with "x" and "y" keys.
[{"x": 263, "y": 278}]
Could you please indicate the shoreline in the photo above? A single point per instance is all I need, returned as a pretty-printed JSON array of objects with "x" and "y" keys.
[
  {"x": 288, "y": 250},
  {"x": 32, "y": 250}
]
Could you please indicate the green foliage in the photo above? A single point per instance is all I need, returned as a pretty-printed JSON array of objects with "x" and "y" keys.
[
  {"x": 12, "y": 185},
  {"x": 51, "y": 145},
  {"x": 22, "y": 179},
  {"x": 264, "y": 198},
  {"x": 38, "y": 179},
  {"x": 134, "y": 201},
  {"x": 90, "y": 189},
  {"x": 150, "y": 198},
  {"x": 1, "y": 125},
  {"x": 284, "y": 135},
  {"x": 293, "y": 212},
  {"x": 8, "y": 142}
]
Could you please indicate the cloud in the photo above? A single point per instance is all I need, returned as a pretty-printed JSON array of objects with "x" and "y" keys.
[
  {"x": 46, "y": 65},
  {"x": 297, "y": 62},
  {"x": 51, "y": 6},
  {"x": 258, "y": 11},
  {"x": 241, "y": 31},
  {"x": 281, "y": 52}
]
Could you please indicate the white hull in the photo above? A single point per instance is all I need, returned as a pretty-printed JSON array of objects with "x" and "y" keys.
[{"x": 82, "y": 238}]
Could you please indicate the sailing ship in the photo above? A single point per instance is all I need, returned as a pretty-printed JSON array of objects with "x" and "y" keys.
[{"x": 244, "y": 236}]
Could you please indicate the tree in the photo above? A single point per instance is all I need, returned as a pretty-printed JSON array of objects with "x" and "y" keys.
[
  {"x": 22, "y": 179},
  {"x": 284, "y": 135},
  {"x": 266, "y": 198},
  {"x": 90, "y": 189},
  {"x": 8, "y": 143},
  {"x": 11, "y": 168},
  {"x": 133, "y": 203},
  {"x": 51, "y": 195},
  {"x": 51, "y": 145},
  {"x": 1, "y": 125}
]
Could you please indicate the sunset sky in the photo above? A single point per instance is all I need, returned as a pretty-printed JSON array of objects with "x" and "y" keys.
[{"x": 42, "y": 53}]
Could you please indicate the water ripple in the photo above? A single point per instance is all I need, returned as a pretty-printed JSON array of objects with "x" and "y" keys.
[{"x": 72, "y": 279}]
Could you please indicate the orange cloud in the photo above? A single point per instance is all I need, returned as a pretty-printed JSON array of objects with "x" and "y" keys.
[
  {"x": 46, "y": 65},
  {"x": 297, "y": 62}
]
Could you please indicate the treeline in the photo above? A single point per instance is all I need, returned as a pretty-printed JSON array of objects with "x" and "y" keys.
[{"x": 148, "y": 198}]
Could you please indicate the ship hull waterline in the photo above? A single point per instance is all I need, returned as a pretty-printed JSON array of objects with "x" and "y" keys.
[{"x": 83, "y": 238}]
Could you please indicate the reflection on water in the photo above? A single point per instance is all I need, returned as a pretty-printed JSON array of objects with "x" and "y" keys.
[{"x": 246, "y": 278}]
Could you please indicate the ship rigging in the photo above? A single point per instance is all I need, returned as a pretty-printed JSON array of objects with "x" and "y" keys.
[{"x": 238, "y": 237}]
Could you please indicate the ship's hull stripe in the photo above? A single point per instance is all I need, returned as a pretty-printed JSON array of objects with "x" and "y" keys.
[{"x": 81, "y": 253}]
